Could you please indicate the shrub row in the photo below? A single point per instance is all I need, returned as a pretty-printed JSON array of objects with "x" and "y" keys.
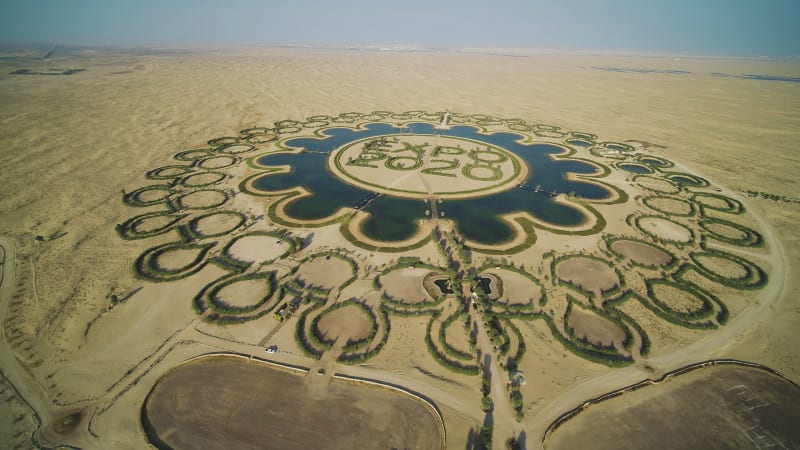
[
  {"x": 513, "y": 361},
  {"x": 357, "y": 358},
  {"x": 611, "y": 360},
  {"x": 147, "y": 266},
  {"x": 455, "y": 366},
  {"x": 300, "y": 335},
  {"x": 689, "y": 288},
  {"x": 754, "y": 277},
  {"x": 450, "y": 350},
  {"x": 677, "y": 319}
]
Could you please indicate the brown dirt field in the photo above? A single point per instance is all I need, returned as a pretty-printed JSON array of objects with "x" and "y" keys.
[
  {"x": 406, "y": 285},
  {"x": 154, "y": 195},
  {"x": 712, "y": 407},
  {"x": 641, "y": 253},
  {"x": 666, "y": 230},
  {"x": 595, "y": 328},
  {"x": 589, "y": 274},
  {"x": 327, "y": 273},
  {"x": 193, "y": 406},
  {"x": 413, "y": 184},
  {"x": 348, "y": 323},
  {"x": 153, "y": 223},
  {"x": 257, "y": 248}
]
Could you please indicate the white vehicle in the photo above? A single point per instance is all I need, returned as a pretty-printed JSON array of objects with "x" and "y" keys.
[{"x": 272, "y": 349}]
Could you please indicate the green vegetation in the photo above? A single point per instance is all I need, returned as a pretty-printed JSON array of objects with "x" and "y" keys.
[
  {"x": 611, "y": 307},
  {"x": 706, "y": 200},
  {"x": 300, "y": 336},
  {"x": 441, "y": 358},
  {"x": 449, "y": 349},
  {"x": 196, "y": 224},
  {"x": 749, "y": 237},
  {"x": 773, "y": 197},
  {"x": 753, "y": 278},
  {"x": 686, "y": 179},
  {"x": 149, "y": 267},
  {"x": 649, "y": 200},
  {"x": 688, "y": 319}
]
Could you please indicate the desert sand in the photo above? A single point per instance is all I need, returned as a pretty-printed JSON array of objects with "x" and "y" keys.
[{"x": 85, "y": 340}]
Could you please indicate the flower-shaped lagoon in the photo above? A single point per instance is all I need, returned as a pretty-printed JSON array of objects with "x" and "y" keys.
[
  {"x": 494, "y": 186},
  {"x": 663, "y": 255}
]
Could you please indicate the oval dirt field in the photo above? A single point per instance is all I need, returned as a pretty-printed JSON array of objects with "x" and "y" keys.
[
  {"x": 641, "y": 253},
  {"x": 589, "y": 274},
  {"x": 225, "y": 402},
  {"x": 724, "y": 406}
]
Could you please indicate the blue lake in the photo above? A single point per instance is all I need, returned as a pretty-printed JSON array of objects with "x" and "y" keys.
[{"x": 394, "y": 219}]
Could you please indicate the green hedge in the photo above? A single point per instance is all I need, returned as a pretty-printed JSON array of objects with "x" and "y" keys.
[
  {"x": 752, "y": 238},
  {"x": 147, "y": 267},
  {"x": 357, "y": 358},
  {"x": 450, "y": 350},
  {"x": 754, "y": 277},
  {"x": 455, "y": 366}
]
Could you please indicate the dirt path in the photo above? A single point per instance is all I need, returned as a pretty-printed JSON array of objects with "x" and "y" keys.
[
  {"x": 23, "y": 381},
  {"x": 502, "y": 413},
  {"x": 320, "y": 374}
]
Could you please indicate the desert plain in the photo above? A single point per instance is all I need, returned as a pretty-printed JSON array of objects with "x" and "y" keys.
[{"x": 88, "y": 332}]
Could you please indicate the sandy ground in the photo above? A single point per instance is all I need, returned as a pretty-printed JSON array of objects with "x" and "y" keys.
[{"x": 91, "y": 136}]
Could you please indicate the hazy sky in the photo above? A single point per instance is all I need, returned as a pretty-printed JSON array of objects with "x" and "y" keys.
[{"x": 722, "y": 27}]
